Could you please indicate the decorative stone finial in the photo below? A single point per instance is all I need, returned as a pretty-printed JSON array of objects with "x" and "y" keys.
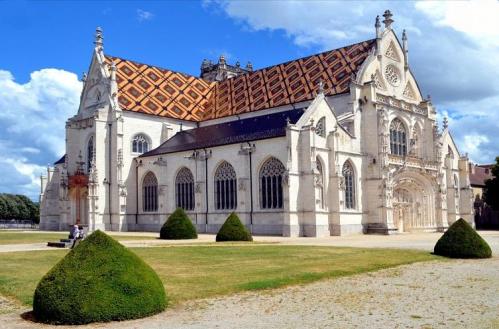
[
  {"x": 377, "y": 25},
  {"x": 221, "y": 60},
  {"x": 405, "y": 48},
  {"x": 99, "y": 39},
  {"x": 446, "y": 123},
  {"x": 388, "y": 19},
  {"x": 238, "y": 64},
  {"x": 205, "y": 63},
  {"x": 113, "y": 71},
  {"x": 320, "y": 88},
  {"x": 249, "y": 67},
  {"x": 84, "y": 77}
]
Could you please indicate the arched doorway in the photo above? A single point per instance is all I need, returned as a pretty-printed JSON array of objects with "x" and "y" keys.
[{"x": 413, "y": 203}]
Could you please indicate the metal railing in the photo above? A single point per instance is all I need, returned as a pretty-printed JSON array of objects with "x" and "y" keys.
[{"x": 17, "y": 224}]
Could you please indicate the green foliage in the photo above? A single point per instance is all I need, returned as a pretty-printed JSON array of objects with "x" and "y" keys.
[
  {"x": 18, "y": 207},
  {"x": 178, "y": 226},
  {"x": 99, "y": 280},
  {"x": 233, "y": 230},
  {"x": 491, "y": 194},
  {"x": 462, "y": 241}
]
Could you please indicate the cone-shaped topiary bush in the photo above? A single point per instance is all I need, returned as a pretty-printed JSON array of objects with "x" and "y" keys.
[
  {"x": 233, "y": 230},
  {"x": 462, "y": 241},
  {"x": 178, "y": 226},
  {"x": 99, "y": 280}
]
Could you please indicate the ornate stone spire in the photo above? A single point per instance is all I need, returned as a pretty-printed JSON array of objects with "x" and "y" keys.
[
  {"x": 221, "y": 60},
  {"x": 446, "y": 123},
  {"x": 206, "y": 63},
  {"x": 320, "y": 88},
  {"x": 99, "y": 39},
  {"x": 377, "y": 25},
  {"x": 113, "y": 71},
  {"x": 405, "y": 48},
  {"x": 388, "y": 19},
  {"x": 249, "y": 67}
]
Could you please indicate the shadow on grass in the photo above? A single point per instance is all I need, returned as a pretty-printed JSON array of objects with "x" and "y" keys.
[{"x": 29, "y": 316}]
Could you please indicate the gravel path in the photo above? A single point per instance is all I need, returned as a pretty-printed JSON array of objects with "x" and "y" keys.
[
  {"x": 448, "y": 294},
  {"x": 421, "y": 241}
]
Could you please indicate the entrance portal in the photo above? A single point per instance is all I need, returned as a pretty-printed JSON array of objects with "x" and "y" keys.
[{"x": 413, "y": 204}]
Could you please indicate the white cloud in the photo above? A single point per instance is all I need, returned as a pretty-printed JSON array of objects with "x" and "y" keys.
[
  {"x": 477, "y": 19},
  {"x": 143, "y": 15},
  {"x": 32, "y": 121},
  {"x": 472, "y": 142},
  {"x": 453, "y": 48}
]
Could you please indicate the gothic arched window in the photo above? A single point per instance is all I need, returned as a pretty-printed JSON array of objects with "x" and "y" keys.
[
  {"x": 140, "y": 144},
  {"x": 271, "y": 175},
  {"x": 349, "y": 176},
  {"x": 184, "y": 189},
  {"x": 90, "y": 153},
  {"x": 398, "y": 144},
  {"x": 320, "y": 128},
  {"x": 319, "y": 183},
  {"x": 225, "y": 187},
  {"x": 150, "y": 193}
]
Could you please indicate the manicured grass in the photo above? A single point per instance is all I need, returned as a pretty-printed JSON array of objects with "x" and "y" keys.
[
  {"x": 19, "y": 237},
  {"x": 190, "y": 272}
]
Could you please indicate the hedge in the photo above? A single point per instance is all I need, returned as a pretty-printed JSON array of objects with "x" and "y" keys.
[
  {"x": 233, "y": 230},
  {"x": 462, "y": 241},
  {"x": 99, "y": 280},
  {"x": 178, "y": 226}
]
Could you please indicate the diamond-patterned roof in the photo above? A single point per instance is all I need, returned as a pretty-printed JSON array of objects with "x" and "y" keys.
[
  {"x": 149, "y": 89},
  {"x": 152, "y": 90}
]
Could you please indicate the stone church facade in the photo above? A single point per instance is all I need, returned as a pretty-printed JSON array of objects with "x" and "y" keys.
[{"x": 334, "y": 143}]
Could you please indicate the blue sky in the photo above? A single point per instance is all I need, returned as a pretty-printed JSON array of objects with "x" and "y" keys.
[
  {"x": 175, "y": 34},
  {"x": 453, "y": 49}
]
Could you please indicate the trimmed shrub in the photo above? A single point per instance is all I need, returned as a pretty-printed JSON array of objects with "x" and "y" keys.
[
  {"x": 233, "y": 230},
  {"x": 462, "y": 241},
  {"x": 178, "y": 226},
  {"x": 99, "y": 280}
]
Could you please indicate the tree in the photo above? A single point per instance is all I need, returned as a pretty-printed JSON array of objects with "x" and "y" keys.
[
  {"x": 18, "y": 207},
  {"x": 3, "y": 207},
  {"x": 491, "y": 194}
]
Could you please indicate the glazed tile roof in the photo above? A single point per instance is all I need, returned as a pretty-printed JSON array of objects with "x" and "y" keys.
[
  {"x": 152, "y": 90},
  {"x": 481, "y": 175},
  {"x": 232, "y": 132}
]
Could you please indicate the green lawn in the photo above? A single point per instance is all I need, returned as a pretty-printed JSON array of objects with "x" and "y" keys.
[
  {"x": 190, "y": 272},
  {"x": 18, "y": 237}
]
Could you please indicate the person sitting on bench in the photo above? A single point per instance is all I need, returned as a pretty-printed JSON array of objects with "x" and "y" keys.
[{"x": 74, "y": 232}]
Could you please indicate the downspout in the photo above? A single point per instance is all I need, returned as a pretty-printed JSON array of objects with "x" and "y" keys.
[
  {"x": 110, "y": 125},
  {"x": 251, "y": 186},
  {"x": 206, "y": 188},
  {"x": 136, "y": 191}
]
